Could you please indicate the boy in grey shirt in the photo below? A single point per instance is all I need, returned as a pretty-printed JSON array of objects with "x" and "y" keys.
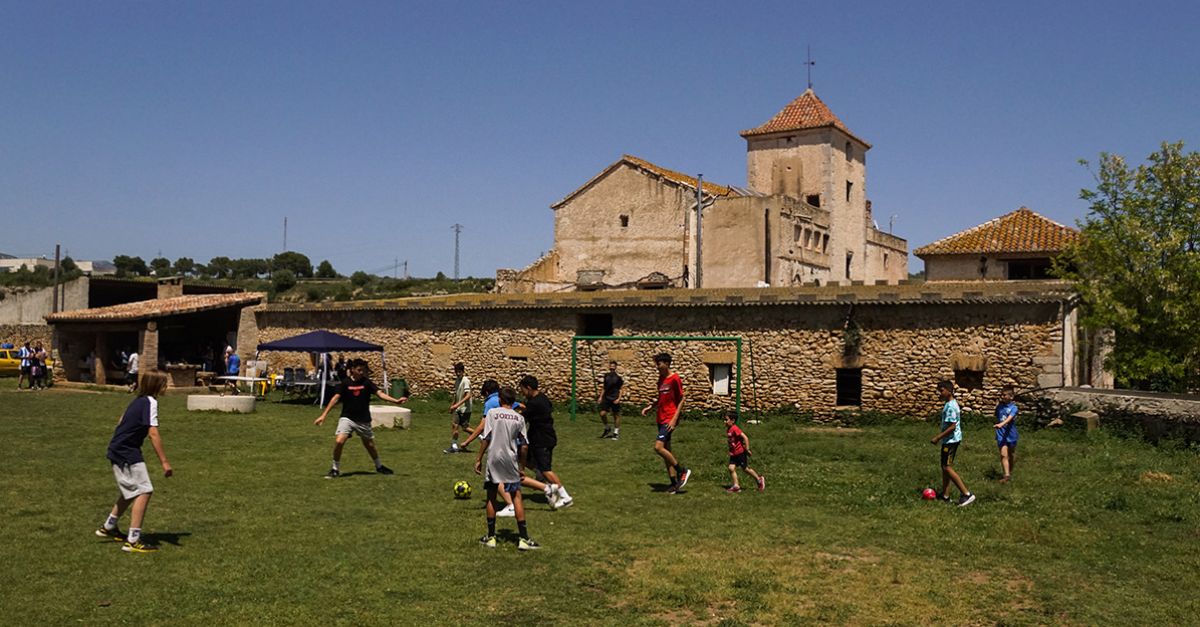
[{"x": 505, "y": 443}]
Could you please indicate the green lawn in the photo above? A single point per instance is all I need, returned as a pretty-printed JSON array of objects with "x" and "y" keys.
[{"x": 252, "y": 533}]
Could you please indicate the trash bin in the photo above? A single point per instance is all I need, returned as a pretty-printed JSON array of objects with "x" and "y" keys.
[{"x": 399, "y": 388}]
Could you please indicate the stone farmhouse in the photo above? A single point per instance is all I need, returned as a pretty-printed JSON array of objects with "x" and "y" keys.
[
  {"x": 1016, "y": 246},
  {"x": 802, "y": 219}
]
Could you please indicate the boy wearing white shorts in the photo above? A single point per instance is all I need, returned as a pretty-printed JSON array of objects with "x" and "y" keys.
[{"x": 355, "y": 395}]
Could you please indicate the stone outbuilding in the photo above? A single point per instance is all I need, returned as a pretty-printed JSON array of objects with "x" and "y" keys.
[{"x": 1016, "y": 246}]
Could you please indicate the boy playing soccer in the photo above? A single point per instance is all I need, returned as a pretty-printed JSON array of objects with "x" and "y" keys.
[
  {"x": 739, "y": 452},
  {"x": 460, "y": 409},
  {"x": 610, "y": 401},
  {"x": 129, "y": 467},
  {"x": 1006, "y": 431},
  {"x": 505, "y": 442},
  {"x": 950, "y": 438},
  {"x": 355, "y": 395},
  {"x": 669, "y": 404}
]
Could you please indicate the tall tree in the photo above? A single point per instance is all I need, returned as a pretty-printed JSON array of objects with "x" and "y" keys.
[
  {"x": 1137, "y": 266},
  {"x": 130, "y": 266},
  {"x": 325, "y": 270},
  {"x": 161, "y": 266},
  {"x": 220, "y": 267},
  {"x": 294, "y": 261},
  {"x": 185, "y": 266}
]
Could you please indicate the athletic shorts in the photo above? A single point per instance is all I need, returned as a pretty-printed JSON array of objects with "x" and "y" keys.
[
  {"x": 25, "y": 370},
  {"x": 664, "y": 435},
  {"x": 511, "y": 487},
  {"x": 541, "y": 458},
  {"x": 1011, "y": 444},
  {"x": 133, "y": 479},
  {"x": 948, "y": 453},
  {"x": 740, "y": 460},
  {"x": 610, "y": 407},
  {"x": 363, "y": 429},
  {"x": 462, "y": 418}
]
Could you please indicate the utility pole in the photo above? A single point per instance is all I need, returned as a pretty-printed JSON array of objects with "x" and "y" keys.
[
  {"x": 284, "y": 234},
  {"x": 699, "y": 231},
  {"x": 395, "y": 267},
  {"x": 458, "y": 229},
  {"x": 406, "y": 269},
  {"x": 892, "y": 223},
  {"x": 54, "y": 307}
]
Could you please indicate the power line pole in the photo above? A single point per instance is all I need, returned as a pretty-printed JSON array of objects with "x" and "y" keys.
[
  {"x": 395, "y": 267},
  {"x": 285, "y": 234},
  {"x": 406, "y": 269},
  {"x": 699, "y": 231},
  {"x": 458, "y": 229},
  {"x": 54, "y": 307}
]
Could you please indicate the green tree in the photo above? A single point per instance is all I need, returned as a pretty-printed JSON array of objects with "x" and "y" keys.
[
  {"x": 185, "y": 266},
  {"x": 69, "y": 265},
  {"x": 249, "y": 268},
  {"x": 161, "y": 266},
  {"x": 283, "y": 280},
  {"x": 130, "y": 266},
  {"x": 220, "y": 267},
  {"x": 294, "y": 261},
  {"x": 1137, "y": 267},
  {"x": 325, "y": 270},
  {"x": 360, "y": 278}
]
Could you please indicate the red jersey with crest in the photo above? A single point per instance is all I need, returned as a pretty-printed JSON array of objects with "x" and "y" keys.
[
  {"x": 737, "y": 446},
  {"x": 670, "y": 394}
]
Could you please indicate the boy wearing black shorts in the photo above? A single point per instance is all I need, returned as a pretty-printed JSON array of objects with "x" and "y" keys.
[
  {"x": 355, "y": 395},
  {"x": 460, "y": 409},
  {"x": 739, "y": 454},
  {"x": 542, "y": 440},
  {"x": 610, "y": 401},
  {"x": 950, "y": 437}
]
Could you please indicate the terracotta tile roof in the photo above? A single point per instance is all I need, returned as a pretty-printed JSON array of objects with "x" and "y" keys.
[
  {"x": 677, "y": 178},
  {"x": 1021, "y": 231},
  {"x": 158, "y": 308},
  {"x": 803, "y": 113}
]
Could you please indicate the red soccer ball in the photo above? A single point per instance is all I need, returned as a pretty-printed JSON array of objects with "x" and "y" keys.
[{"x": 928, "y": 494}]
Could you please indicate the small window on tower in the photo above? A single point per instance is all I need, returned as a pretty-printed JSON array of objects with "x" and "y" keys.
[
  {"x": 849, "y": 258},
  {"x": 885, "y": 261},
  {"x": 797, "y": 231},
  {"x": 849, "y": 151},
  {"x": 624, "y": 221},
  {"x": 813, "y": 199},
  {"x": 849, "y": 188},
  {"x": 825, "y": 244}
]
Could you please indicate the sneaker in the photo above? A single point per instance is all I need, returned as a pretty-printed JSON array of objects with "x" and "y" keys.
[
  {"x": 762, "y": 483},
  {"x": 943, "y": 498},
  {"x": 551, "y": 496},
  {"x": 966, "y": 499},
  {"x": 673, "y": 489},
  {"x": 138, "y": 547},
  {"x": 507, "y": 512},
  {"x": 733, "y": 489},
  {"x": 615, "y": 436},
  {"x": 488, "y": 541},
  {"x": 333, "y": 473},
  {"x": 607, "y": 433},
  {"x": 527, "y": 544},
  {"x": 384, "y": 470},
  {"x": 113, "y": 534},
  {"x": 565, "y": 502},
  {"x": 687, "y": 474},
  {"x": 451, "y": 449},
  {"x": 1005, "y": 479}
]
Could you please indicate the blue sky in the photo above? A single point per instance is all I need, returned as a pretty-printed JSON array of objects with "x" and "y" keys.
[{"x": 194, "y": 128}]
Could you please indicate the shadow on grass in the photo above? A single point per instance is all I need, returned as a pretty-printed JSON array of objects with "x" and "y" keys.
[
  {"x": 663, "y": 487},
  {"x": 166, "y": 538}
]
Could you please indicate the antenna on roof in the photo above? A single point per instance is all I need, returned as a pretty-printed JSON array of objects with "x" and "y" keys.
[{"x": 810, "y": 63}]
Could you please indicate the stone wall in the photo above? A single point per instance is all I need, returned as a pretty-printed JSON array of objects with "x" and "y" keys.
[
  {"x": 791, "y": 352},
  {"x": 16, "y": 334},
  {"x": 29, "y": 306}
]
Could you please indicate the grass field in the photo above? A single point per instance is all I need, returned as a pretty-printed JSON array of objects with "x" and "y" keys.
[{"x": 1095, "y": 529}]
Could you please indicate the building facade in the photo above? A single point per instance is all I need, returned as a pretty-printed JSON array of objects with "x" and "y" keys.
[{"x": 1015, "y": 246}]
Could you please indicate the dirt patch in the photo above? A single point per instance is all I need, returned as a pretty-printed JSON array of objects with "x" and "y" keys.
[
  {"x": 831, "y": 430},
  {"x": 1151, "y": 476}
]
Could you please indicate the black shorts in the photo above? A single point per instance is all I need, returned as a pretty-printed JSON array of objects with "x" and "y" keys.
[
  {"x": 541, "y": 458},
  {"x": 740, "y": 460},
  {"x": 25, "y": 370},
  {"x": 948, "y": 453},
  {"x": 511, "y": 488},
  {"x": 611, "y": 407},
  {"x": 462, "y": 419}
]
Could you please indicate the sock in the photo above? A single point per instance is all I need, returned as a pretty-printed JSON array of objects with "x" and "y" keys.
[
  {"x": 110, "y": 523},
  {"x": 378, "y": 463},
  {"x": 521, "y": 529},
  {"x": 616, "y": 431},
  {"x": 562, "y": 493},
  {"x": 491, "y": 526},
  {"x": 336, "y": 465},
  {"x": 135, "y": 534}
]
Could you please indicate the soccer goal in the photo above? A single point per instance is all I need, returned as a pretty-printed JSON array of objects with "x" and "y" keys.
[{"x": 590, "y": 340}]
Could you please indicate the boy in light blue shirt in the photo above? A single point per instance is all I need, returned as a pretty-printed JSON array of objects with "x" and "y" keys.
[
  {"x": 950, "y": 437},
  {"x": 1006, "y": 431}
]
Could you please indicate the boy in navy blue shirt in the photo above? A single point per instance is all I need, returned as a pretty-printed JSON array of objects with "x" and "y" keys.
[
  {"x": 129, "y": 467},
  {"x": 1006, "y": 431}
]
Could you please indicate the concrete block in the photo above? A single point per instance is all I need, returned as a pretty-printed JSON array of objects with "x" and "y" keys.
[
  {"x": 1090, "y": 417},
  {"x": 1049, "y": 380},
  {"x": 242, "y": 403},
  {"x": 389, "y": 417}
]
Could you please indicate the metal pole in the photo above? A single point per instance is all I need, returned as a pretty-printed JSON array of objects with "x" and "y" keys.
[
  {"x": 737, "y": 403},
  {"x": 699, "y": 231},
  {"x": 574, "y": 346},
  {"x": 57, "y": 250},
  {"x": 457, "y": 230}
]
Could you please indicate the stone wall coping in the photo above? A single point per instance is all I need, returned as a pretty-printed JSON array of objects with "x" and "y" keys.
[{"x": 940, "y": 293}]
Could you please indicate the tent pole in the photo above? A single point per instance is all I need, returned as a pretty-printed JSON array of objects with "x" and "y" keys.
[
  {"x": 383, "y": 362},
  {"x": 321, "y": 396}
]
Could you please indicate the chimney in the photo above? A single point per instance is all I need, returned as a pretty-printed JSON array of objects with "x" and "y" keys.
[{"x": 170, "y": 286}]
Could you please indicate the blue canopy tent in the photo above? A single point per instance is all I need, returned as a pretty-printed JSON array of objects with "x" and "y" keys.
[{"x": 325, "y": 342}]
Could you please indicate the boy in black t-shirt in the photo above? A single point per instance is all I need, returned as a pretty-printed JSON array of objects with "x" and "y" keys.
[
  {"x": 610, "y": 401},
  {"x": 139, "y": 421},
  {"x": 355, "y": 394},
  {"x": 542, "y": 440}
]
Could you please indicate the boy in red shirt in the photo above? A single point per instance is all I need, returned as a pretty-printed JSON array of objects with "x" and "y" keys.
[
  {"x": 669, "y": 403},
  {"x": 739, "y": 453}
]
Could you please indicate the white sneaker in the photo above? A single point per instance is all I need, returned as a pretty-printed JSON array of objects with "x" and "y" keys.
[
  {"x": 507, "y": 512},
  {"x": 551, "y": 496},
  {"x": 565, "y": 502}
]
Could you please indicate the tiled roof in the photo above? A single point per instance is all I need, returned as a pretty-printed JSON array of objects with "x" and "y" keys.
[
  {"x": 677, "y": 178},
  {"x": 158, "y": 308},
  {"x": 803, "y": 113},
  {"x": 966, "y": 292},
  {"x": 1021, "y": 231}
]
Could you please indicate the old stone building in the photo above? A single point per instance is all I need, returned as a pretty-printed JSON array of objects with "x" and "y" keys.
[
  {"x": 1016, "y": 246},
  {"x": 803, "y": 218},
  {"x": 868, "y": 347}
]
